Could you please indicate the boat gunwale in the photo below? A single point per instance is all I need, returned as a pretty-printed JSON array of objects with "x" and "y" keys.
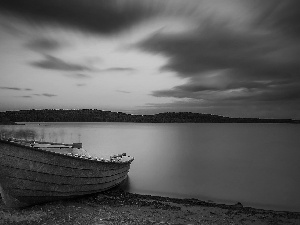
[
  {"x": 95, "y": 160},
  {"x": 56, "y": 165}
]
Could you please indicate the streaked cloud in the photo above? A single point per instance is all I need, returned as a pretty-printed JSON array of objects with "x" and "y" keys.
[
  {"x": 215, "y": 56},
  {"x": 218, "y": 48},
  {"x": 280, "y": 16},
  {"x": 11, "y": 88},
  {"x": 98, "y": 16},
  {"x": 80, "y": 85},
  {"x": 78, "y": 76},
  {"x": 54, "y": 63},
  {"x": 220, "y": 62},
  {"x": 125, "y": 92},
  {"x": 8, "y": 26},
  {"x": 45, "y": 95},
  {"x": 118, "y": 69},
  {"x": 16, "y": 89},
  {"x": 44, "y": 44},
  {"x": 48, "y": 95}
]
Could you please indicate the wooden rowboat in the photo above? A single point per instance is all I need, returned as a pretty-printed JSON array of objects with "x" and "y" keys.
[{"x": 37, "y": 172}]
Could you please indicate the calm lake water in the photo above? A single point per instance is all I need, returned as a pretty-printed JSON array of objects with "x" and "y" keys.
[{"x": 255, "y": 164}]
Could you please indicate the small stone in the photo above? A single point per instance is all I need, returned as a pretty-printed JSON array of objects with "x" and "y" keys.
[{"x": 239, "y": 205}]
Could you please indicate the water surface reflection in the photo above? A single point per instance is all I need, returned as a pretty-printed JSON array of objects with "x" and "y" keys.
[{"x": 256, "y": 164}]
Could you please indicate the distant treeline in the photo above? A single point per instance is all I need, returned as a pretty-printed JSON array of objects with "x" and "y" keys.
[{"x": 95, "y": 115}]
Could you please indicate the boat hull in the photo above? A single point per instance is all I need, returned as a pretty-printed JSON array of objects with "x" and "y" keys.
[{"x": 30, "y": 176}]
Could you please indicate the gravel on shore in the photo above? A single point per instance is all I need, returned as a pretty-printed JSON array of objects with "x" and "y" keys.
[{"x": 119, "y": 207}]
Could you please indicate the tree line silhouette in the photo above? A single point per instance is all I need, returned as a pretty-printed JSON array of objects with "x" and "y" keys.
[{"x": 95, "y": 115}]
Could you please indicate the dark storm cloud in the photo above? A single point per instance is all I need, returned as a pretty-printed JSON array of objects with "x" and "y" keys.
[
  {"x": 283, "y": 16},
  {"x": 54, "y": 63},
  {"x": 255, "y": 90},
  {"x": 100, "y": 16},
  {"x": 218, "y": 47},
  {"x": 16, "y": 89},
  {"x": 258, "y": 63},
  {"x": 255, "y": 93}
]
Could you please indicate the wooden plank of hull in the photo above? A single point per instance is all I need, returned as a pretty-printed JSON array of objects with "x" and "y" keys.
[
  {"x": 34, "y": 188},
  {"x": 54, "y": 184},
  {"x": 62, "y": 170},
  {"x": 59, "y": 179}
]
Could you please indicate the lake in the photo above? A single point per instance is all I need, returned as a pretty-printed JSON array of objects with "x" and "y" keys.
[{"x": 255, "y": 164}]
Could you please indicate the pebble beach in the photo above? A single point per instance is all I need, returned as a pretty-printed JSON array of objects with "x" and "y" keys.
[{"x": 119, "y": 207}]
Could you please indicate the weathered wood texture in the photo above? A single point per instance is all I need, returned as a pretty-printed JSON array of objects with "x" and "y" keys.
[{"x": 29, "y": 176}]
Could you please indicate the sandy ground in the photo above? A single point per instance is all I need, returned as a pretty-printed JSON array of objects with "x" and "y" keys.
[{"x": 119, "y": 207}]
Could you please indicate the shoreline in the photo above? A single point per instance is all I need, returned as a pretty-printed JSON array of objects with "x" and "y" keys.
[{"x": 119, "y": 207}]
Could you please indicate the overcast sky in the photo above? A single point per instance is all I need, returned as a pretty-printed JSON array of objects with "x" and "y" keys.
[{"x": 236, "y": 58}]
